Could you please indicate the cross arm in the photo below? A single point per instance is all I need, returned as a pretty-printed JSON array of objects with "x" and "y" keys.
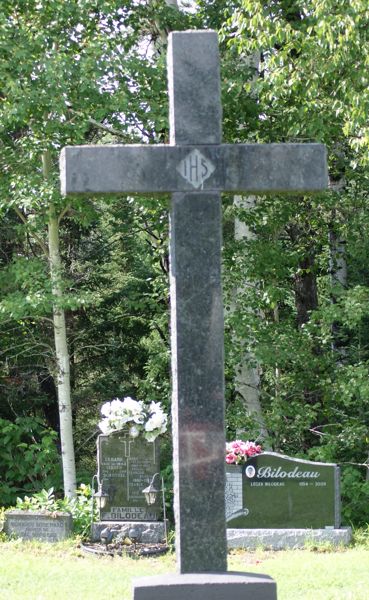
[{"x": 145, "y": 169}]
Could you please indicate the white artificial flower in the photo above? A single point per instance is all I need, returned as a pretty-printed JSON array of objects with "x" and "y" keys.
[
  {"x": 150, "y": 436},
  {"x": 156, "y": 421},
  {"x": 116, "y": 406},
  {"x": 104, "y": 426},
  {"x": 118, "y": 413},
  {"x": 151, "y": 424},
  {"x": 134, "y": 408},
  {"x": 105, "y": 409},
  {"x": 155, "y": 407},
  {"x": 134, "y": 431},
  {"x": 131, "y": 404},
  {"x": 121, "y": 420}
]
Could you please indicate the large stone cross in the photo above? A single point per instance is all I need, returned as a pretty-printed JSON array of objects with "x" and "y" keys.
[{"x": 195, "y": 168}]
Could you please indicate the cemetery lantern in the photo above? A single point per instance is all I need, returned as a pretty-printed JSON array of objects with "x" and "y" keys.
[
  {"x": 101, "y": 497},
  {"x": 150, "y": 492}
]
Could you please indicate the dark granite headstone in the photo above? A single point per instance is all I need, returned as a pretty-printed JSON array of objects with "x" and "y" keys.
[
  {"x": 273, "y": 491},
  {"x": 126, "y": 466},
  {"x": 196, "y": 167}
]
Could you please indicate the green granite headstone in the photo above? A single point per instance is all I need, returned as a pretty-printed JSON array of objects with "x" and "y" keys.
[
  {"x": 282, "y": 492},
  {"x": 126, "y": 466}
]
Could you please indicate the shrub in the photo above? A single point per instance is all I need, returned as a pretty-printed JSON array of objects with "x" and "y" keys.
[
  {"x": 79, "y": 507},
  {"x": 29, "y": 459}
]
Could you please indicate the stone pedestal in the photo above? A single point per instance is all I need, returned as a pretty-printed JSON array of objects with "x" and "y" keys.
[
  {"x": 146, "y": 532},
  {"x": 205, "y": 586},
  {"x": 280, "y": 539}
]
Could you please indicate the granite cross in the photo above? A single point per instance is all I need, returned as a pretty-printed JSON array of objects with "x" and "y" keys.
[{"x": 195, "y": 168}]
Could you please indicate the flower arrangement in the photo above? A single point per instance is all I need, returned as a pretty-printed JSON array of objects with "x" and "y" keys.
[
  {"x": 238, "y": 451},
  {"x": 148, "y": 420}
]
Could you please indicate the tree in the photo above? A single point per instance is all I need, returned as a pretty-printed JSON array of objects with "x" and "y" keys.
[
  {"x": 64, "y": 82},
  {"x": 312, "y": 87},
  {"x": 85, "y": 74}
]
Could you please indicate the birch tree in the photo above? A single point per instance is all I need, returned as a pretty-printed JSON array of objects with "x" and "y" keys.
[
  {"x": 62, "y": 367},
  {"x": 64, "y": 82}
]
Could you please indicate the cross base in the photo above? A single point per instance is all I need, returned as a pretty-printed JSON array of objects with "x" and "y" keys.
[{"x": 205, "y": 586}]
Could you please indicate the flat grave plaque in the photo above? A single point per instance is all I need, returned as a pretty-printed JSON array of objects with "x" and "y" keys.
[
  {"x": 286, "y": 493},
  {"x": 38, "y": 525},
  {"x": 126, "y": 466}
]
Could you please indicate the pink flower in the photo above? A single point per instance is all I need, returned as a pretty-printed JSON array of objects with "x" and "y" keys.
[
  {"x": 230, "y": 458},
  {"x": 239, "y": 451}
]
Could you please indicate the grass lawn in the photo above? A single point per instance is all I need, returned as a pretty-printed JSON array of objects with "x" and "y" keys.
[{"x": 35, "y": 571}]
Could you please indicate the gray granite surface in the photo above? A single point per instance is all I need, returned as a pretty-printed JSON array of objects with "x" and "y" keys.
[
  {"x": 38, "y": 525},
  {"x": 126, "y": 465},
  {"x": 144, "y": 532},
  {"x": 281, "y": 539},
  {"x": 252, "y": 168},
  {"x": 198, "y": 382},
  {"x": 205, "y": 586},
  {"x": 195, "y": 110},
  {"x": 197, "y": 309}
]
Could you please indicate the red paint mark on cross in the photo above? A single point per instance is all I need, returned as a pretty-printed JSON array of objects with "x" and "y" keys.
[{"x": 200, "y": 446}]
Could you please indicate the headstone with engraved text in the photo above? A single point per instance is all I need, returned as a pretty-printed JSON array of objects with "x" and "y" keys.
[
  {"x": 126, "y": 466},
  {"x": 42, "y": 526},
  {"x": 283, "y": 492}
]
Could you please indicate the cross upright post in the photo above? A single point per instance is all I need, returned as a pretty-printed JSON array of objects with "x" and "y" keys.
[
  {"x": 197, "y": 310},
  {"x": 195, "y": 168}
]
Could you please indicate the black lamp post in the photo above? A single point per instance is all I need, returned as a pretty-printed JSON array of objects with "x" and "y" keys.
[
  {"x": 151, "y": 492},
  {"x": 100, "y": 496}
]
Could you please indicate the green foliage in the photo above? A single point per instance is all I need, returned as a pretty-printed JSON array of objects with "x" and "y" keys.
[
  {"x": 28, "y": 457},
  {"x": 307, "y": 334},
  {"x": 79, "y": 507},
  {"x": 79, "y": 74},
  {"x": 167, "y": 474},
  {"x": 43, "y": 500},
  {"x": 75, "y": 73},
  {"x": 355, "y": 491},
  {"x": 361, "y": 536}
]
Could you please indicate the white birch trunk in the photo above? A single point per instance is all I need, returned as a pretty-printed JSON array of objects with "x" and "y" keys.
[
  {"x": 247, "y": 378},
  {"x": 61, "y": 349}
]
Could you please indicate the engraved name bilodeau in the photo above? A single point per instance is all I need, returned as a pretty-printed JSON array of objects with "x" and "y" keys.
[
  {"x": 280, "y": 473},
  {"x": 195, "y": 168}
]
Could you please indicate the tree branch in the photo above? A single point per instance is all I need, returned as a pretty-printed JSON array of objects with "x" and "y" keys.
[
  {"x": 63, "y": 213},
  {"x": 37, "y": 238},
  {"x": 95, "y": 123}
]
